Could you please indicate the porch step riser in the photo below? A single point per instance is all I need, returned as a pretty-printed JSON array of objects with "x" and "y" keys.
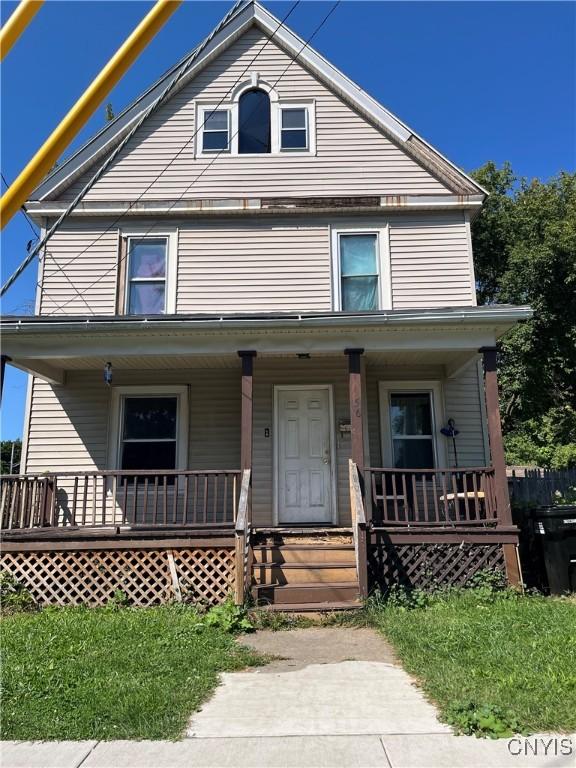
[
  {"x": 277, "y": 574},
  {"x": 301, "y": 594},
  {"x": 304, "y": 555}
]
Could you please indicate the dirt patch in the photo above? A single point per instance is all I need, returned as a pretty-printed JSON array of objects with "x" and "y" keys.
[{"x": 297, "y": 648}]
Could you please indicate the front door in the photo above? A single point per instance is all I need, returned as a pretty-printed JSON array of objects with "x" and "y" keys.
[{"x": 304, "y": 460}]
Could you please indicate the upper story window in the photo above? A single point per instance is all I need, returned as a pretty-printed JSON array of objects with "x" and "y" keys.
[
  {"x": 146, "y": 289},
  {"x": 254, "y": 122},
  {"x": 146, "y": 274},
  {"x": 360, "y": 269},
  {"x": 293, "y": 128},
  {"x": 216, "y": 132},
  {"x": 359, "y": 272}
]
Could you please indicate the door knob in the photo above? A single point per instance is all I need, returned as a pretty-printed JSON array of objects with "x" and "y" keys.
[{"x": 326, "y": 458}]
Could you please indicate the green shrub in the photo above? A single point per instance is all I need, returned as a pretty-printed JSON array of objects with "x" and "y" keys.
[{"x": 13, "y": 595}]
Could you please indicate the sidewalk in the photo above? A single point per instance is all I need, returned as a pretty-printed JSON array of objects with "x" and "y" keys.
[{"x": 335, "y": 698}]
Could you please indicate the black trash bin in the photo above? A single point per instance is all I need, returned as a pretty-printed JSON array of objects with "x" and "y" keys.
[{"x": 557, "y": 528}]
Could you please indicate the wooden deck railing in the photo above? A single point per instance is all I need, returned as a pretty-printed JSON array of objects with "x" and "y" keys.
[
  {"x": 151, "y": 498},
  {"x": 431, "y": 497},
  {"x": 243, "y": 534},
  {"x": 359, "y": 529}
]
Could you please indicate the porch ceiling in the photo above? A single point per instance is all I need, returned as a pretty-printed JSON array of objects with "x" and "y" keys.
[{"x": 48, "y": 347}]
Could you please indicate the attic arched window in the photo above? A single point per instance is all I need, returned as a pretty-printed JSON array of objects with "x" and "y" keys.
[{"x": 254, "y": 122}]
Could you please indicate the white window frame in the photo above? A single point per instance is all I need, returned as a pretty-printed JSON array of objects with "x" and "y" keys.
[
  {"x": 382, "y": 262},
  {"x": 310, "y": 111},
  {"x": 201, "y": 111},
  {"x": 431, "y": 387},
  {"x": 276, "y": 106},
  {"x": 170, "y": 278},
  {"x": 117, "y": 419}
]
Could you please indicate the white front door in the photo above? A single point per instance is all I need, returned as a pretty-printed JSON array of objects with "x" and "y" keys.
[{"x": 304, "y": 460}]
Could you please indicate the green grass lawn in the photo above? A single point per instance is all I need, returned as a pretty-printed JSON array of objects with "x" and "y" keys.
[
  {"x": 76, "y": 673},
  {"x": 512, "y": 652}
]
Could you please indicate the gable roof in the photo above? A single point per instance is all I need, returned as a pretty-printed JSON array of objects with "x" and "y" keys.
[{"x": 248, "y": 15}]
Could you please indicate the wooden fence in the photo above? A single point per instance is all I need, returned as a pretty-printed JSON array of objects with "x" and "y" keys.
[{"x": 540, "y": 486}]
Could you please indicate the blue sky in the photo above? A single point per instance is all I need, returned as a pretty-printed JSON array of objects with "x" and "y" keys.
[{"x": 479, "y": 80}]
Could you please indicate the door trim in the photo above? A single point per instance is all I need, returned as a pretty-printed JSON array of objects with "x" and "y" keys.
[{"x": 332, "y": 429}]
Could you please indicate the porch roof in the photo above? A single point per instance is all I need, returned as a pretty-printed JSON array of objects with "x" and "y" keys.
[{"x": 47, "y": 345}]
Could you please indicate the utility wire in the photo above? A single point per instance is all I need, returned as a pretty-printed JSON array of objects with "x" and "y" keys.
[
  {"x": 155, "y": 104},
  {"x": 208, "y": 166},
  {"x": 23, "y": 212},
  {"x": 152, "y": 107},
  {"x": 183, "y": 148}
]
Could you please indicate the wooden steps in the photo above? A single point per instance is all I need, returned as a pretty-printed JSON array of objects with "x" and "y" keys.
[{"x": 304, "y": 569}]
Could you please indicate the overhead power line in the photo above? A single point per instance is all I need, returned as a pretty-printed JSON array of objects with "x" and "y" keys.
[
  {"x": 207, "y": 167},
  {"x": 152, "y": 108}
]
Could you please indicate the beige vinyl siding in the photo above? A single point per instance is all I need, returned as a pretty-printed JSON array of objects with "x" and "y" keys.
[
  {"x": 260, "y": 263},
  {"x": 430, "y": 261},
  {"x": 79, "y": 270},
  {"x": 352, "y": 157},
  {"x": 254, "y": 266},
  {"x": 463, "y": 397},
  {"x": 68, "y": 428},
  {"x": 461, "y": 402}
]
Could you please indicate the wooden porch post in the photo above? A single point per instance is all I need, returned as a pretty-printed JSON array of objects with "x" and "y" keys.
[
  {"x": 356, "y": 406},
  {"x": 4, "y": 359},
  {"x": 247, "y": 358},
  {"x": 498, "y": 459}
]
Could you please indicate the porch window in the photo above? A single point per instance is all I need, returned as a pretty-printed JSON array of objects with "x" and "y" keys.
[
  {"x": 149, "y": 436},
  {"x": 411, "y": 429},
  {"x": 359, "y": 279},
  {"x": 146, "y": 288}
]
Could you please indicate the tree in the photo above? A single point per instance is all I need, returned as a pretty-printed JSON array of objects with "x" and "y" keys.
[
  {"x": 10, "y": 451},
  {"x": 525, "y": 253}
]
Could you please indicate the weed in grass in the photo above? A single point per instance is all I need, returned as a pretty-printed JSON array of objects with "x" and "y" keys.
[
  {"x": 484, "y": 720},
  {"x": 14, "y": 596},
  {"x": 229, "y": 617}
]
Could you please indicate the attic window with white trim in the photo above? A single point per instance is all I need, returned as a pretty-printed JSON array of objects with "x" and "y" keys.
[
  {"x": 293, "y": 128},
  {"x": 216, "y": 131},
  {"x": 254, "y": 134}
]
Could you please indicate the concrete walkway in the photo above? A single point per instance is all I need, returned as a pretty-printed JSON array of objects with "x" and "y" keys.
[{"x": 335, "y": 697}]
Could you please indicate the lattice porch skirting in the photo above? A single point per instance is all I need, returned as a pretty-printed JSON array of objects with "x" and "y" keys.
[
  {"x": 147, "y": 577},
  {"x": 427, "y": 565}
]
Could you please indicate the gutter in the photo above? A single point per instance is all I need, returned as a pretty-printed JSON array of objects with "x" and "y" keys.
[{"x": 488, "y": 315}]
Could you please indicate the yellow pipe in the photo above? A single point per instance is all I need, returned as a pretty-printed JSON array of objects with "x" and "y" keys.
[
  {"x": 17, "y": 23},
  {"x": 44, "y": 159}
]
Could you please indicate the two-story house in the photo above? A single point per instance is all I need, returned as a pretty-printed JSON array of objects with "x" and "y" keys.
[{"x": 256, "y": 356}]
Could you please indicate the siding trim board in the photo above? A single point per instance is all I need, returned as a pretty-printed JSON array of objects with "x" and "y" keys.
[{"x": 265, "y": 205}]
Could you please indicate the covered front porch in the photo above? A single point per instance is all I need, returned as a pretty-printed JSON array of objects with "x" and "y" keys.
[{"x": 277, "y": 406}]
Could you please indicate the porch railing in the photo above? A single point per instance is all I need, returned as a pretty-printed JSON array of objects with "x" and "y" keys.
[
  {"x": 151, "y": 498},
  {"x": 430, "y": 497},
  {"x": 243, "y": 535},
  {"x": 359, "y": 529}
]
